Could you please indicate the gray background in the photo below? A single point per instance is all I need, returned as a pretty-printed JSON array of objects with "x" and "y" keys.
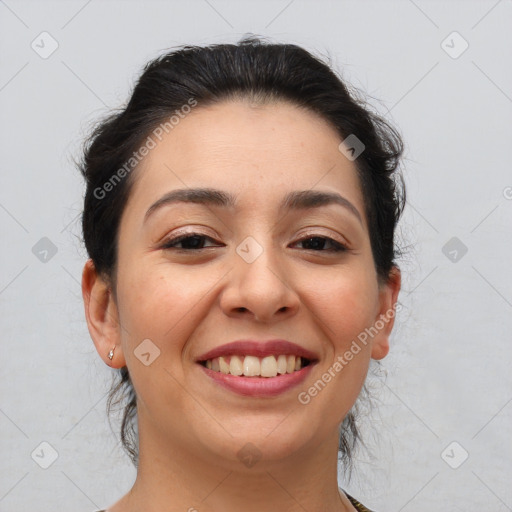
[{"x": 448, "y": 373}]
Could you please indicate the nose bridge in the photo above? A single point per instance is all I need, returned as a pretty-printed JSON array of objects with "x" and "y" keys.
[
  {"x": 258, "y": 266},
  {"x": 258, "y": 283}
]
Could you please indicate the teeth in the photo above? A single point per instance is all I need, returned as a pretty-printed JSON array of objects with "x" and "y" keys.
[
  {"x": 281, "y": 364},
  {"x": 269, "y": 366},
  {"x": 290, "y": 364},
  {"x": 224, "y": 367},
  {"x": 252, "y": 366},
  {"x": 236, "y": 366}
]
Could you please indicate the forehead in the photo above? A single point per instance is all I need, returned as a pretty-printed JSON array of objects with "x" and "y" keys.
[{"x": 235, "y": 146}]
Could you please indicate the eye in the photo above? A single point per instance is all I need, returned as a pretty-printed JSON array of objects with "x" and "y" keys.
[
  {"x": 321, "y": 244},
  {"x": 189, "y": 242},
  {"x": 197, "y": 241}
]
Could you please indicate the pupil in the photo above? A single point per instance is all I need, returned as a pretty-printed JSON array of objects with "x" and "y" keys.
[
  {"x": 316, "y": 243},
  {"x": 192, "y": 242}
]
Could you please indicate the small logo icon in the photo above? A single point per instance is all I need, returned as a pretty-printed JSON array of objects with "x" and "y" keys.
[
  {"x": 351, "y": 147},
  {"x": 249, "y": 250},
  {"x": 454, "y": 45},
  {"x": 44, "y": 250},
  {"x": 44, "y": 455},
  {"x": 44, "y": 45},
  {"x": 146, "y": 352},
  {"x": 249, "y": 455},
  {"x": 454, "y": 249},
  {"x": 507, "y": 193},
  {"x": 454, "y": 455}
]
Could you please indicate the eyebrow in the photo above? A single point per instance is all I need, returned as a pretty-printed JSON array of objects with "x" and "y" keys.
[{"x": 297, "y": 200}]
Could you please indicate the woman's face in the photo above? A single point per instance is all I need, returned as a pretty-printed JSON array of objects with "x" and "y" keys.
[{"x": 262, "y": 255}]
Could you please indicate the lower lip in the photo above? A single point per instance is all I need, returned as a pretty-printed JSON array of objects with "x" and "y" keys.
[{"x": 259, "y": 386}]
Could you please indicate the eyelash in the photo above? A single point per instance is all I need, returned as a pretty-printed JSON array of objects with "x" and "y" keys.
[{"x": 171, "y": 243}]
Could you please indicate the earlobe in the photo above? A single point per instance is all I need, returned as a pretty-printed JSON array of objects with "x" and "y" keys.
[
  {"x": 102, "y": 316},
  {"x": 388, "y": 297}
]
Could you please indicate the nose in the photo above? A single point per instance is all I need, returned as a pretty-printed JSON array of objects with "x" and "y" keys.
[{"x": 260, "y": 290}]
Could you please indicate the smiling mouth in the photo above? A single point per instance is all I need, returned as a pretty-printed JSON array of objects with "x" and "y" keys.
[{"x": 252, "y": 366}]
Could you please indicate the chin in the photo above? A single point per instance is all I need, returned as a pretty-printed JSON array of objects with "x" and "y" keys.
[{"x": 262, "y": 444}]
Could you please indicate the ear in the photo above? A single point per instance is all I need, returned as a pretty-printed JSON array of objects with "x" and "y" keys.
[
  {"x": 385, "y": 319},
  {"x": 102, "y": 316}
]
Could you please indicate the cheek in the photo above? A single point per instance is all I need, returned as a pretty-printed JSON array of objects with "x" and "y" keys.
[
  {"x": 345, "y": 303},
  {"x": 159, "y": 304},
  {"x": 156, "y": 303}
]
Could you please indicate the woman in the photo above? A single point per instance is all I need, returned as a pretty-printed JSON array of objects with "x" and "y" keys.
[{"x": 239, "y": 217}]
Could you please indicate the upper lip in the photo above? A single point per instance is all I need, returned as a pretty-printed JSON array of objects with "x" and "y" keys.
[{"x": 259, "y": 349}]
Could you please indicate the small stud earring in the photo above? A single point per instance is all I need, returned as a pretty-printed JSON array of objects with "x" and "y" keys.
[{"x": 111, "y": 353}]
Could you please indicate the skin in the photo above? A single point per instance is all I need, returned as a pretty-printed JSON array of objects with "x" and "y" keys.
[{"x": 186, "y": 303}]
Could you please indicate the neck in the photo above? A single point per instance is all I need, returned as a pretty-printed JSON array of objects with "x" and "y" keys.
[{"x": 179, "y": 479}]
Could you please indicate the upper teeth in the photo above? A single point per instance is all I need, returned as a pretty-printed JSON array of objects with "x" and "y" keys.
[{"x": 252, "y": 366}]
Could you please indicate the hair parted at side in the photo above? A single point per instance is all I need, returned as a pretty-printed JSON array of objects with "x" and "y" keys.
[{"x": 262, "y": 72}]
